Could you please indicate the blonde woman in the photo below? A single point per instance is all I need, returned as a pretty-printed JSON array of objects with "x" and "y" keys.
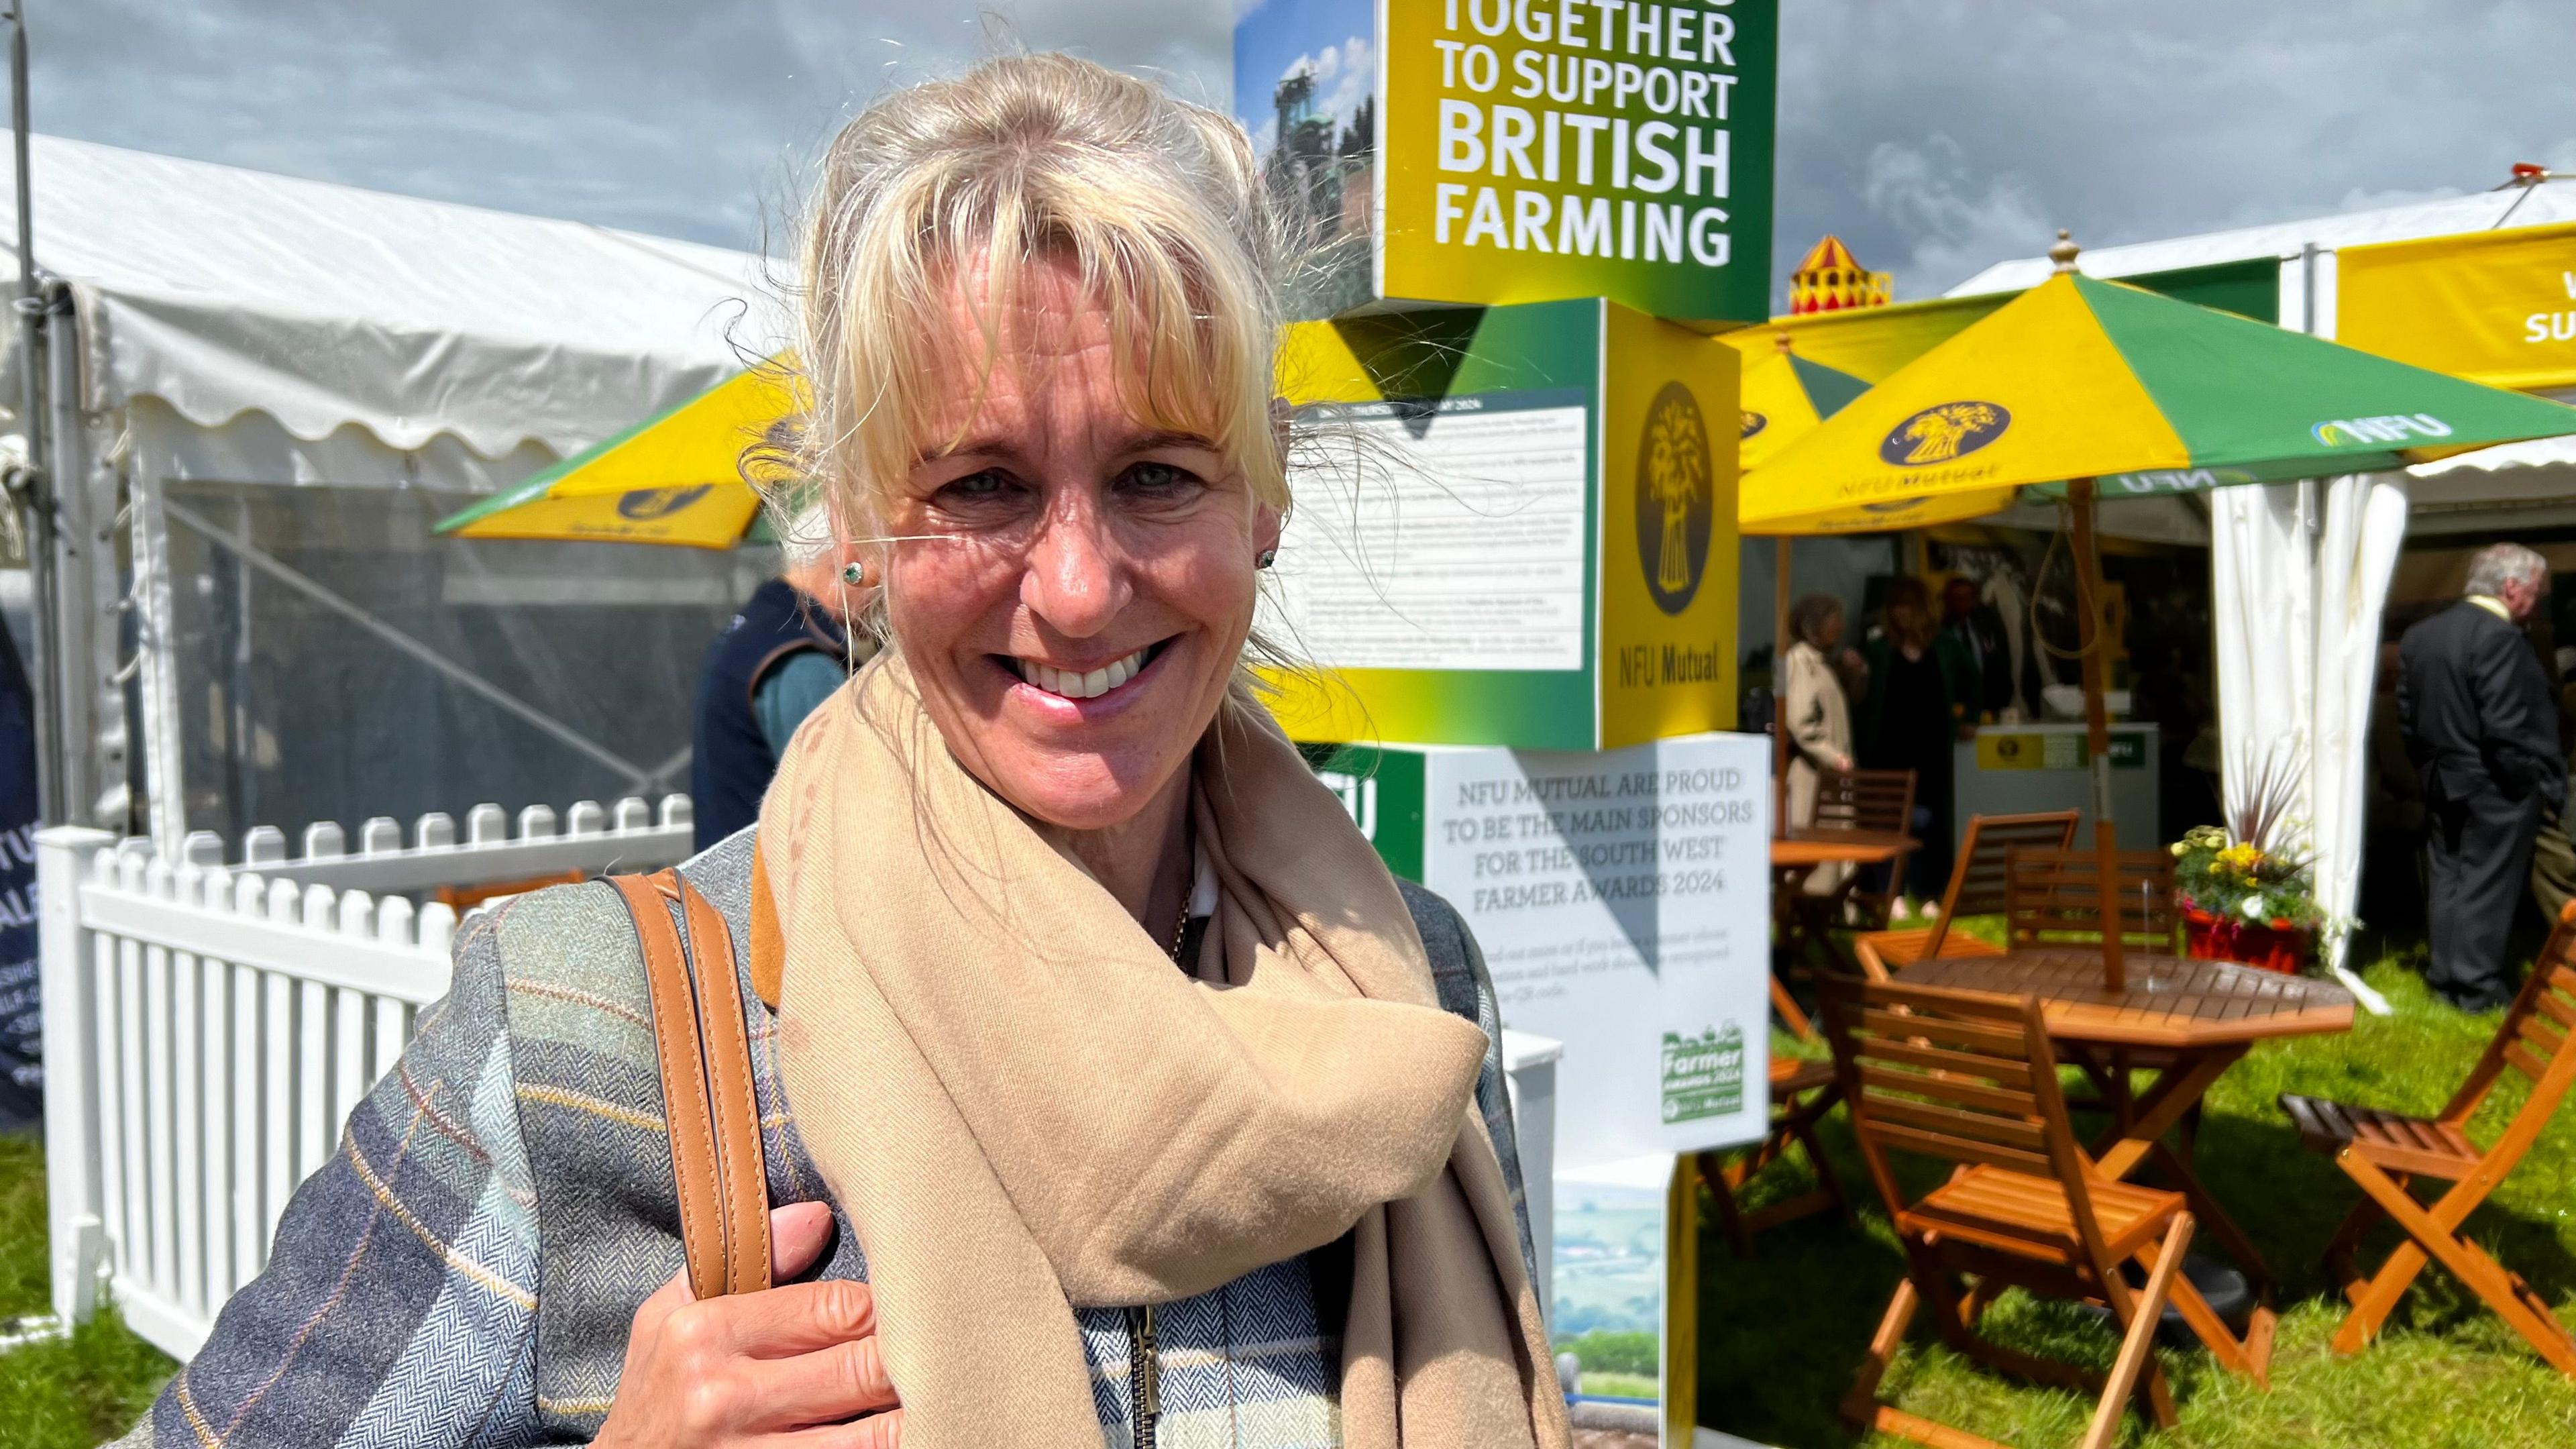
[{"x": 1117, "y": 1090}]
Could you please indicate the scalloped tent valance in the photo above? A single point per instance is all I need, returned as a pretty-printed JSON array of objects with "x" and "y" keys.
[{"x": 221, "y": 291}]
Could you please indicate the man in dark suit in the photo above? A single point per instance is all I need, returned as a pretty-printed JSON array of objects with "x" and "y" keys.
[
  {"x": 1980, "y": 630},
  {"x": 2482, "y": 730}
]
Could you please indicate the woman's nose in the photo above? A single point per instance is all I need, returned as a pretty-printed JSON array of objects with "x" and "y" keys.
[{"x": 1074, "y": 579}]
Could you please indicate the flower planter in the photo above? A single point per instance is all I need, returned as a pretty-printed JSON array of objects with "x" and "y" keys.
[{"x": 2286, "y": 949}]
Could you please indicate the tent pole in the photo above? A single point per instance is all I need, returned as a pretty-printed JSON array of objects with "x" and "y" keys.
[
  {"x": 34, "y": 491},
  {"x": 1780, "y": 694},
  {"x": 2097, "y": 727}
]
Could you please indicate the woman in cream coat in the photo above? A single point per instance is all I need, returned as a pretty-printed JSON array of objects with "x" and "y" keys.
[{"x": 1820, "y": 730}]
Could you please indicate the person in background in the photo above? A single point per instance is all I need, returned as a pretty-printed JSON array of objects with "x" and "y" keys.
[
  {"x": 1923, "y": 694},
  {"x": 2482, "y": 730},
  {"x": 1820, "y": 731},
  {"x": 1968, "y": 618},
  {"x": 2553, "y": 852},
  {"x": 22, "y": 1019},
  {"x": 781, "y": 656}
]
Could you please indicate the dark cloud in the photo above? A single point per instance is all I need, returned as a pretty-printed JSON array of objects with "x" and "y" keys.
[
  {"x": 1935, "y": 135},
  {"x": 1939, "y": 135}
]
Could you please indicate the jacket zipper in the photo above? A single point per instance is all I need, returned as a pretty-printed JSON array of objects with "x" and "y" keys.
[{"x": 1144, "y": 1375}]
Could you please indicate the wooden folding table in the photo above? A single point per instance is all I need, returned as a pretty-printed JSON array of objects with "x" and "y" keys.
[
  {"x": 2197, "y": 1018},
  {"x": 1792, "y": 860}
]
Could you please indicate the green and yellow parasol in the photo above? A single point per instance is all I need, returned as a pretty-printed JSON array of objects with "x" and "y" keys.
[
  {"x": 2081, "y": 388},
  {"x": 2081, "y": 378},
  {"x": 674, "y": 479}
]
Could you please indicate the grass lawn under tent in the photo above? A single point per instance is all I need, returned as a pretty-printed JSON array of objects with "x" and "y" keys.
[{"x": 1782, "y": 1331}]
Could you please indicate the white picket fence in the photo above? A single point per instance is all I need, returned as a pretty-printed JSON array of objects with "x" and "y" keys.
[{"x": 209, "y": 1026}]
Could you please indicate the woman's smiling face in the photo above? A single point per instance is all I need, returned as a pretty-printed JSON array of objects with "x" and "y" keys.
[{"x": 1070, "y": 586}]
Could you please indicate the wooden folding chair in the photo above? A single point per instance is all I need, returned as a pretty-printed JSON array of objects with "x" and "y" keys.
[
  {"x": 1969, "y": 1079},
  {"x": 2385, "y": 1152},
  {"x": 1976, "y": 889},
  {"x": 2054, "y": 897},
  {"x": 1873, "y": 802},
  {"x": 1802, "y": 1093}
]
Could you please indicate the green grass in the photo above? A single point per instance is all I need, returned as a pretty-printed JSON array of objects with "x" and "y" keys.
[
  {"x": 1782, "y": 1332},
  {"x": 62, "y": 1394}
]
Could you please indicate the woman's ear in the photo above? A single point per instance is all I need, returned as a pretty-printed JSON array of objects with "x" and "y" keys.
[{"x": 1266, "y": 524}]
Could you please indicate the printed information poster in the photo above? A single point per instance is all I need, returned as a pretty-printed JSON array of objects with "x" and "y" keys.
[
  {"x": 1445, "y": 535},
  {"x": 1622, "y": 902}
]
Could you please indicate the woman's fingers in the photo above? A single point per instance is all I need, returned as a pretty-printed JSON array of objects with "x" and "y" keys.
[
  {"x": 876, "y": 1431},
  {"x": 798, "y": 1234},
  {"x": 800, "y": 1318},
  {"x": 675, "y": 1294},
  {"x": 826, "y": 1386}
]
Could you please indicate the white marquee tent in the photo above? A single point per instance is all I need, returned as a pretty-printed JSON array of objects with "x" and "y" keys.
[
  {"x": 2319, "y": 555},
  {"x": 260, "y": 391}
]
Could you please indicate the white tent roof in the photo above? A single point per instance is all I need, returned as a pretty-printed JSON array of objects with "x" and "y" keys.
[
  {"x": 2549, "y": 201},
  {"x": 222, "y": 292}
]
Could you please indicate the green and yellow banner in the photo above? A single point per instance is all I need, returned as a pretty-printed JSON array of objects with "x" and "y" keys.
[{"x": 2498, "y": 306}]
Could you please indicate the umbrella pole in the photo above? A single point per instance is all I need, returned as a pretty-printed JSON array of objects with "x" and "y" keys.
[
  {"x": 2097, "y": 727},
  {"x": 1780, "y": 694}
]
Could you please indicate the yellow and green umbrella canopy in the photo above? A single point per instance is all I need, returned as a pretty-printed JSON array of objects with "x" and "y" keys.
[
  {"x": 2116, "y": 390},
  {"x": 1785, "y": 397},
  {"x": 2081, "y": 378},
  {"x": 674, "y": 479}
]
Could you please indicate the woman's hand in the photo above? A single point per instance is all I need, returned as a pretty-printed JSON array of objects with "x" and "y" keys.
[{"x": 794, "y": 1364}]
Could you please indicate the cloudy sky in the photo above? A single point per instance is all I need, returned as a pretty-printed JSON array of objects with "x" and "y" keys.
[{"x": 1934, "y": 135}]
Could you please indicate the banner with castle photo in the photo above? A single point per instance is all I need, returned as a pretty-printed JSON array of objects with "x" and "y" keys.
[{"x": 1499, "y": 151}]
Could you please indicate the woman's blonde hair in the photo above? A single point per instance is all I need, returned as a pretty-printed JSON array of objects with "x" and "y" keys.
[{"x": 1028, "y": 161}]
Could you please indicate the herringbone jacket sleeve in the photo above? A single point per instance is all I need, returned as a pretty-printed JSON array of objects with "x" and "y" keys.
[
  {"x": 399, "y": 1302},
  {"x": 1466, "y": 989}
]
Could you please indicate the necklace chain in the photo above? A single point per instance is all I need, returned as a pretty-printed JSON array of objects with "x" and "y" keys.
[{"x": 1181, "y": 927}]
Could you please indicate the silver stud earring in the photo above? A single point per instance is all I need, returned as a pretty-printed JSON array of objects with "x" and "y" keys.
[
  {"x": 1265, "y": 558},
  {"x": 854, "y": 573}
]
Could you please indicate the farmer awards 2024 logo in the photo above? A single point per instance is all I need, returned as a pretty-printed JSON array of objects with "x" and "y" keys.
[
  {"x": 1943, "y": 432},
  {"x": 1675, "y": 486},
  {"x": 1703, "y": 1074}
]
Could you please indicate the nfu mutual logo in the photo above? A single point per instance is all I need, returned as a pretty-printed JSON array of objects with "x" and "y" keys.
[{"x": 2386, "y": 428}]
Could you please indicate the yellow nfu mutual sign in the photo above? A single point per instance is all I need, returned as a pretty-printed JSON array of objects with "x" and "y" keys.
[
  {"x": 1509, "y": 151},
  {"x": 2495, "y": 306}
]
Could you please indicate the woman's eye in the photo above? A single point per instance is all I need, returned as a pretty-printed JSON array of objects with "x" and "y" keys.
[
  {"x": 1158, "y": 479},
  {"x": 973, "y": 490}
]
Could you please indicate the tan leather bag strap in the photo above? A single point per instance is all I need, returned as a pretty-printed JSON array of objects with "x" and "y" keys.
[{"x": 717, "y": 1166}]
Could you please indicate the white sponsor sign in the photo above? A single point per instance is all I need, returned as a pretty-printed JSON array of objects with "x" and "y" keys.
[{"x": 1622, "y": 901}]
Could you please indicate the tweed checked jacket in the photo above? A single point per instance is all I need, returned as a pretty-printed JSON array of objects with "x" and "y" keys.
[{"x": 462, "y": 1273}]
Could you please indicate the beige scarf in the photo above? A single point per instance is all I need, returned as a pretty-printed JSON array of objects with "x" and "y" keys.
[{"x": 1023, "y": 1105}]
